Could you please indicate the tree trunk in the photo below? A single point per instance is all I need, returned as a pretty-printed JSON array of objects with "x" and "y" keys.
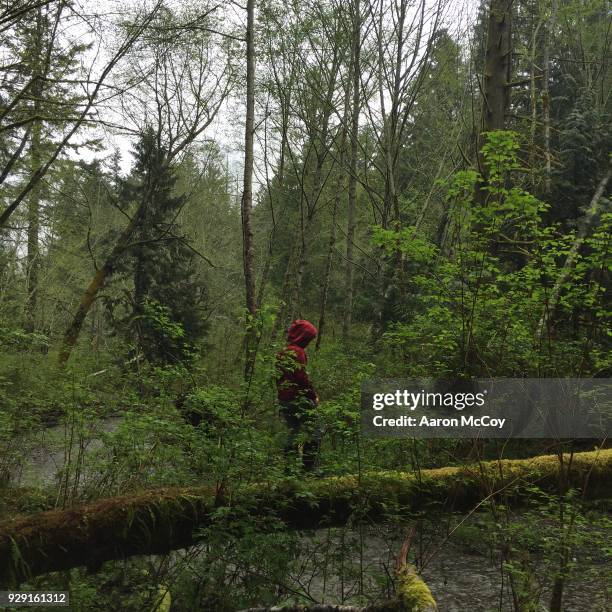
[
  {"x": 498, "y": 65},
  {"x": 141, "y": 289},
  {"x": 247, "y": 193},
  {"x": 280, "y": 185},
  {"x": 337, "y": 199},
  {"x": 319, "y": 141},
  {"x": 156, "y": 522},
  {"x": 497, "y": 76},
  {"x": 285, "y": 295},
  {"x": 33, "y": 253},
  {"x": 352, "y": 181},
  {"x": 546, "y": 97},
  {"x": 296, "y": 300},
  {"x": 328, "y": 268},
  {"x": 533, "y": 100}
]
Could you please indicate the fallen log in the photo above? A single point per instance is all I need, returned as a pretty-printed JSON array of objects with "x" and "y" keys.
[{"x": 158, "y": 521}]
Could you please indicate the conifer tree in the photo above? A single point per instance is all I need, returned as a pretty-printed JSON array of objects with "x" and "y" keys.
[{"x": 161, "y": 316}]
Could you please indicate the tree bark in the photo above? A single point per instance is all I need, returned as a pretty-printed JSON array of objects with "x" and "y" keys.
[
  {"x": 498, "y": 65},
  {"x": 33, "y": 253},
  {"x": 533, "y": 100},
  {"x": 352, "y": 181},
  {"x": 328, "y": 269},
  {"x": 156, "y": 522},
  {"x": 546, "y": 97},
  {"x": 247, "y": 193},
  {"x": 497, "y": 77}
]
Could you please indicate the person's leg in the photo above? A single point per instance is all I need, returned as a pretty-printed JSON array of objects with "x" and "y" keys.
[
  {"x": 312, "y": 445},
  {"x": 293, "y": 422},
  {"x": 310, "y": 454}
]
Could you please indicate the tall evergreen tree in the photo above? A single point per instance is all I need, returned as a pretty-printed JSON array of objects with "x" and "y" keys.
[{"x": 161, "y": 316}]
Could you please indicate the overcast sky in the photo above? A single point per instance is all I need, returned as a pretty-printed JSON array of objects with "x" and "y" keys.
[{"x": 227, "y": 128}]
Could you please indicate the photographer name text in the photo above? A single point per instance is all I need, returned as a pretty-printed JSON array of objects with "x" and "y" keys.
[{"x": 425, "y": 421}]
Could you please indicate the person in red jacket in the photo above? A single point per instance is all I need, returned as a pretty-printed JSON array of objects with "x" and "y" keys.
[{"x": 296, "y": 395}]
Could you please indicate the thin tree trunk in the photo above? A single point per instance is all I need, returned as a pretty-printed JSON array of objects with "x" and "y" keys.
[
  {"x": 285, "y": 295},
  {"x": 352, "y": 182},
  {"x": 296, "y": 302},
  {"x": 328, "y": 268},
  {"x": 337, "y": 198},
  {"x": 140, "y": 293},
  {"x": 533, "y": 99},
  {"x": 546, "y": 98},
  {"x": 247, "y": 193},
  {"x": 33, "y": 253},
  {"x": 318, "y": 137},
  {"x": 281, "y": 183}
]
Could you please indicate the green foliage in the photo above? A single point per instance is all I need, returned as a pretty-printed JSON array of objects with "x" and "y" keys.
[
  {"x": 479, "y": 312},
  {"x": 415, "y": 247},
  {"x": 254, "y": 555},
  {"x": 19, "y": 339}
]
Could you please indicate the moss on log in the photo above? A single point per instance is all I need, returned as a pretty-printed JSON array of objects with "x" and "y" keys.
[
  {"x": 412, "y": 592},
  {"x": 158, "y": 521}
]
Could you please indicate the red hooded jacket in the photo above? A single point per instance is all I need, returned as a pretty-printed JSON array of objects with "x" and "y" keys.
[{"x": 293, "y": 381}]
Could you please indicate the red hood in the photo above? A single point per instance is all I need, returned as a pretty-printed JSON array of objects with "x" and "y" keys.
[{"x": 301, "y": 332}]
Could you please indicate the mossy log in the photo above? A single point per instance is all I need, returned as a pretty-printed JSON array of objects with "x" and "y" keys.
[{"x": 161, "y": 520}]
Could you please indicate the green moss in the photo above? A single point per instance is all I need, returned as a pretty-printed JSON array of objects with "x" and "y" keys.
[{"x": 412, "y": 592}]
